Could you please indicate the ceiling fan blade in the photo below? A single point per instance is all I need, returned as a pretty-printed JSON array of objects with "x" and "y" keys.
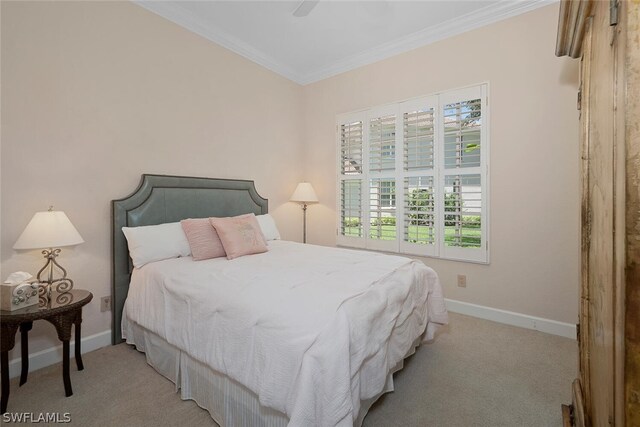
[{"x": 304, "y": 8}]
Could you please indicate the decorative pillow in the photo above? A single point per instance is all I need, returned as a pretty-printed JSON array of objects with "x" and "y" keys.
[
  {"x": 203, "y": 239},
  {"x": 240, "y": 235},
  {"x": 268, "y": 227},
  {"x": 156, "y": 242}
]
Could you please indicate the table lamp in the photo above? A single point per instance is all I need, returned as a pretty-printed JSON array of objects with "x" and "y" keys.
[
  {"x": 304, "y": 195},
  {"x": 50, "y": 231}
]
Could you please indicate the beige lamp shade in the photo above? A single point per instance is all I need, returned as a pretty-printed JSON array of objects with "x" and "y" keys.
[
  {"x": 304, "y": 194},
  {"x": 50, "y": 229}
]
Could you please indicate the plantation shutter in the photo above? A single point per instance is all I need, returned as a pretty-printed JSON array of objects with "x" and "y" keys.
[
  {"x": 463, "y": 210},
  {"x": 413, "y": 176},
  {"x": 419, "y": 134},
  {"x": 382, "y": 209},
  {"x": 382, "y": 140},
  {"x": 419, "y": 208},
  {"x": 351, "y": 173},
  {"x": 382, "y": 143},
  {"x": 463, "y": 176},
  {"x": 351, "y": 208},
  {"x": 351, "y": 148}
]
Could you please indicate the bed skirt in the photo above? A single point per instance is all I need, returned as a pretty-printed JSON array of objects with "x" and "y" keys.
[{"x": 230, "y": 403}]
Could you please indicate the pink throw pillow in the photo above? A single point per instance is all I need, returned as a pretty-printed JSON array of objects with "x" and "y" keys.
[
  {"x": 240, "y": 235},
  {"x": 203, "y": 239}
]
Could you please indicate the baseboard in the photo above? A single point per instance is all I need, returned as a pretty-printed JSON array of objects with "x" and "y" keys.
[
  {"x": 54, "y": 354},
  {"x": 511, "y": 318}
]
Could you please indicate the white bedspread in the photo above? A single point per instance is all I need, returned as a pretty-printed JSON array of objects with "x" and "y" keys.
[{"x": 311, "y": 330}]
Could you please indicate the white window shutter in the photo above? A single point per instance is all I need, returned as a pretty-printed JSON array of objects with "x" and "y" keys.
[
  {"x": 463, "y": 178},
  {"x": 382, "y": 143},
  {"x": 420, "y": 220},
  {"x": 413, "y": 176},
  {"x": 382, "y": 208},
  {"x": 351, "y": 148},
  {"x": 419, "y": 135},
  {"x": 351, "y": 208},
  {"x": 351, "y": 177},
  {"x": 419, "y": 182}
]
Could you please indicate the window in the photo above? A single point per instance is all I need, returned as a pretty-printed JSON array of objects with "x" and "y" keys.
[{"x": 413, "y": 176}]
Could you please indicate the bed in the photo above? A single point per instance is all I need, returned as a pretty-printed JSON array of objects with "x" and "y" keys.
[{"x": 299, "y": 335}]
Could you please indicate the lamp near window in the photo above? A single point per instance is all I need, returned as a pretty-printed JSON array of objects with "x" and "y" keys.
[
  {"x": 50, "y": 231},
  {"x": 304, "y": 195}
]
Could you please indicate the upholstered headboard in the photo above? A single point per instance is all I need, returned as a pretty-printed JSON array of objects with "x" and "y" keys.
[{"x": 160, "y": 199}]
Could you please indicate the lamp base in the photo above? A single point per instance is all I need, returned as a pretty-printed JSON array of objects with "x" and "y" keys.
[
  {"x": 304, "y": 223},
  {"x": 61, "y": 285}
]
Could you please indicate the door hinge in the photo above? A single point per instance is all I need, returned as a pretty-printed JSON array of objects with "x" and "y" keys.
[
  {"x": 614, "y": 7},
  {"x": 578, "y": 331}
]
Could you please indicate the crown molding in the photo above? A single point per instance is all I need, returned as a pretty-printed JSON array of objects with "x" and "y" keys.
[
  {"x": 471, "y": 21},
  {"x": 172, "y": 11}
]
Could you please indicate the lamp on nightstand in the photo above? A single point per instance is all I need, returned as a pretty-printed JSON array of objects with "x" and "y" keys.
[
  {"x": 50, "y": 231},
  {"x": 304, "y": 195}
]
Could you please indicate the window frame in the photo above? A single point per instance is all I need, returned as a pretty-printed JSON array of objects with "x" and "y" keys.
[{"x": 438, "y": 172}]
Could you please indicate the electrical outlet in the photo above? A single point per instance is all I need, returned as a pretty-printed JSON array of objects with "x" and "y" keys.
[
  {"x": 105, "y": 303},
  {"x": 462, "y": 281}
]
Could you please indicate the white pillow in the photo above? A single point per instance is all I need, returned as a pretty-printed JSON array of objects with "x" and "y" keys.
[
  {"x": 268, "y": 227},
  {"x": 156, "y": 242}
]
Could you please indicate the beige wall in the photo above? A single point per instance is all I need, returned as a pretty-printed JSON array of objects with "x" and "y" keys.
[
  {"x": 534, "y": 197},
  {"x": 95, "y": 94}
]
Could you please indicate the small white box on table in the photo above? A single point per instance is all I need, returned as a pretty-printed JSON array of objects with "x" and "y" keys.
[{"x": 18, "y": 292}]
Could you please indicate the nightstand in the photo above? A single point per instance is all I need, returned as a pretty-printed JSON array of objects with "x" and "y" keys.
[{"x": 63, "y": 311}]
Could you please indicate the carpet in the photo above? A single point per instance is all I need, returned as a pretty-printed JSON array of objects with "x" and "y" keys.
[{"x": 475, "y": 373}]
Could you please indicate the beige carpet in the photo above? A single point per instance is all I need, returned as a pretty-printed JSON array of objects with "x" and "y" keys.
[{"x": 476, "y": 373}]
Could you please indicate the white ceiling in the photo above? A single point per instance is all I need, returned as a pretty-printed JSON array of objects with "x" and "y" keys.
[{"x": 336, "y": 36}]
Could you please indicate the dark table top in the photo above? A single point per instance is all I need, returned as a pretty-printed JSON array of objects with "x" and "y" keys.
[{"x": 60, "y": 302}]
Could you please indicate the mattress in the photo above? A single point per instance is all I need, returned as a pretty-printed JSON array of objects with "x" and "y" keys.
[{"x": 312, "y": 331}]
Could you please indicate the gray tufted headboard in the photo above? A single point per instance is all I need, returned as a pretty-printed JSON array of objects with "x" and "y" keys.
[{"x": 162, "y": 198}]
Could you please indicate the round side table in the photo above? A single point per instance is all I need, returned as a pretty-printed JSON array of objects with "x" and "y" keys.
[{"x": 63, "y": 311}]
